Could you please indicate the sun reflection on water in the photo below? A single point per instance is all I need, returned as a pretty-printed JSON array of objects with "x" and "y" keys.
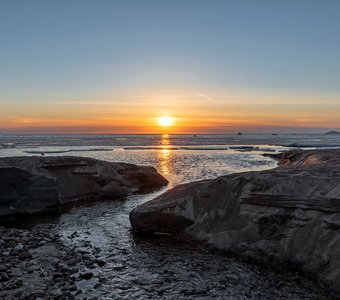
[
  {"x": 164, "y": 155},
  {"x": 165, "y": 140}
]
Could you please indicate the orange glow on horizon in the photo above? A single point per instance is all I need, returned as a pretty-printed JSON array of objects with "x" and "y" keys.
[{"x": 150, "y": 115}]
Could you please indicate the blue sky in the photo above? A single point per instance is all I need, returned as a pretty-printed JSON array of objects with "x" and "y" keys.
[{"x": 280, "y": 52}]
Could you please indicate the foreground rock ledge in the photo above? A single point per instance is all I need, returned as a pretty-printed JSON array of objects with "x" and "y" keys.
[
  {"x": 287, "y": 215},
  {"x": 31, "y": 185}
]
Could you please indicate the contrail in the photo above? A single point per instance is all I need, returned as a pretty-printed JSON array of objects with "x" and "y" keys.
[{"x": 205, "y": 97}]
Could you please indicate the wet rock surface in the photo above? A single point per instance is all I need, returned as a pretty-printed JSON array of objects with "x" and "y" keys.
[
  {"x": 288, "y": 216},
  {"x": 32, "y": 185}
]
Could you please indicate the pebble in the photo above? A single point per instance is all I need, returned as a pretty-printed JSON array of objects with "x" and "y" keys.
[
  {"x": 57, "y": 293},
  {"x": 97, "y": 285},
  {"x": 118, "y": 267},
  {"x": 3, "y": 268},
  {"x": 86, "y": 275},
  {"x": 19, "y": 247},
  {"x": 13, "y": 253},
  {"x": 4, "y": 277},
  {"x": 19, "y": 283},
  {"x": 100, "y": 262},
  {"x": 11, "y": 243},
  {"x": 102, "y": 280},
  {"x": 25, "y": 255}
]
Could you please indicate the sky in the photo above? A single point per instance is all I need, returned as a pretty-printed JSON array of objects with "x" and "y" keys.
[{"x": 215, "y": 66}]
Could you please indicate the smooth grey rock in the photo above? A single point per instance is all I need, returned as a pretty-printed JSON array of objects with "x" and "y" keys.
[
  {"x": 287, "y": 215},
  {"x": 30, "y": 185},
  {"x": 19, "y": 247},
  {"x": 333, "y": 132}
]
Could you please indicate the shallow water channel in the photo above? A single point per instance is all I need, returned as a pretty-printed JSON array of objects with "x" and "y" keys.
[{"x": 163, "y": 267}]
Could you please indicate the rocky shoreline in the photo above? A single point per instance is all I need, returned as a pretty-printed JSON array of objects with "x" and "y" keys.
[
  {"x": 35, "y": 264},
  {"x": 287, "y": 216}
]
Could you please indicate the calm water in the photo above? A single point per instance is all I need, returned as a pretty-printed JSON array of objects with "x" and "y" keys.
[
  {"x": 175, "y": 140},
  {"x": 162, "y": 267}
]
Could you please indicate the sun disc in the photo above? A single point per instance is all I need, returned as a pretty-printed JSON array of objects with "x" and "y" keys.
[{"x": 165, "y": 121}]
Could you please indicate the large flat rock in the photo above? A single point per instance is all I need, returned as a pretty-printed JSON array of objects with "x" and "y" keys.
[
  {"x": 289, "y": 215},
  {"x": 31, "y": 185}
]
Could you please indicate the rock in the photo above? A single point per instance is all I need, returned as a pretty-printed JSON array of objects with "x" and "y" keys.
[
  {"x": 140, "y": 179},
  {"x": 102, "y": 280},
  {"x": 86, "y": 275},
  {"x": 32, "y": 185},
  {"x": 119, "y": 267},
  {"x": 287, "y": 215},
  {"x": 333, "y": 132},
  {"x": 22, "y": 192},
  {"x": 19, "y": 247},
  {"x": 4, "y": 277},
  {"x": 100, "y": 262},
  {"x": 14, "y": 253},
  {"x": 3, "y": 268},
  {"x": 25, "y": 255},
  {"x": 19, "y": 283},
  {"x": 56, "y": 293}
]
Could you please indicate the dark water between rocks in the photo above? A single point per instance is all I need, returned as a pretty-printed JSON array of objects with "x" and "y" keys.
[{"x": 162, "y": 267}]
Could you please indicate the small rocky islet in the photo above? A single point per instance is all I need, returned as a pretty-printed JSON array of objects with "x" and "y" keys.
[{"x": 285, "y": 217}]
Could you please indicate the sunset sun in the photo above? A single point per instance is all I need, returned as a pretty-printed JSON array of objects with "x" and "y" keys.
[{"x": 165, "y": 121}]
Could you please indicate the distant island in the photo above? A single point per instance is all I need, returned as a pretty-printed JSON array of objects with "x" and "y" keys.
[{"x": 333, "y": 132}]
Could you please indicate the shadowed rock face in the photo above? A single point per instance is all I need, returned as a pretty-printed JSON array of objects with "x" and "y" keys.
[
  {"x": 27, "y": 192},
  {"x": 31, "y": 185},
  {"x": 290, "y": 214}
]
